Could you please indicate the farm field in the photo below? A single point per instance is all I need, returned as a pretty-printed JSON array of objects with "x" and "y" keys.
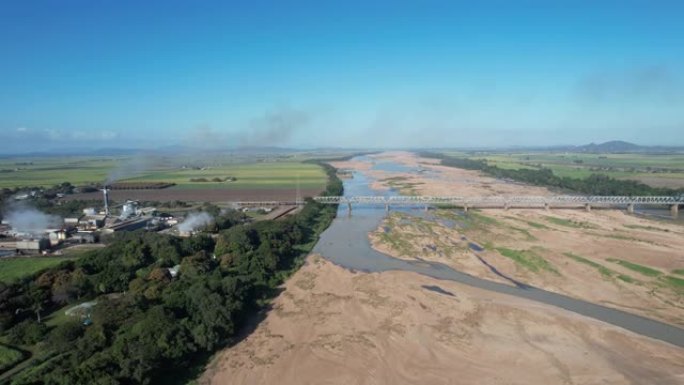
[
  {"x": 45, "y": 172},
  {"x": 15, "y": 268},
  {"x": 657, "y": 170},
  {"x": 250, "y": 173}
]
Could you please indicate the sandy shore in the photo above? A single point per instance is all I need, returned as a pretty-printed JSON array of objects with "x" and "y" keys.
[{"x": 333, "y": 326}]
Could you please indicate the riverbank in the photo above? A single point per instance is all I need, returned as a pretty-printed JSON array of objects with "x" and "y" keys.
[{"x": 331, "y": 325}]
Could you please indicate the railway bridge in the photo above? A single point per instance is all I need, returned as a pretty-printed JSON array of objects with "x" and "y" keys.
[{"x": 506, "y": 202}]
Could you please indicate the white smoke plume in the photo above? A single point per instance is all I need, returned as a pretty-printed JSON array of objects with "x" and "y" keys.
[
  {"x": 195, "y": 221},
  {"x": 28, "y": 220},
  {"x": 129, "y": 168}
]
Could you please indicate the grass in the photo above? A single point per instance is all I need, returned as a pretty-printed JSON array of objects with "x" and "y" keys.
[
  {"x": 9, "y": 357},
  {"x": 606, "y": 272},
  {"x": 400, "y": 184},
  {"x": 675, "y": 282},
  {"x": 527, "y": 259},
  {"x": 640, "y": 227},
  {"x": 641, "y": 269},
  {"x": 569, "y": 223},
  {"x": 16, "y": 268},
  {"x": 626, "y": 278},
  {"x": 397, "y": 242},
  {"x": 678, "y": 271},
  {"x": 477, "y": 218},
  {"x": 536, "y": 225},
  {"x": 58, "y": 316}
]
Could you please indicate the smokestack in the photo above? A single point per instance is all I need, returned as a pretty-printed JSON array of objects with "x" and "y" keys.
[{"x": 105, "y": 191}]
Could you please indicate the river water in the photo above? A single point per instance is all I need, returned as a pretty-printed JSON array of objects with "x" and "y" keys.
[{"x": 346, "y": 243}]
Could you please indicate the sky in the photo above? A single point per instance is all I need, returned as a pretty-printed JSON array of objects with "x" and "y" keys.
[{"x": 224, "y": 74}]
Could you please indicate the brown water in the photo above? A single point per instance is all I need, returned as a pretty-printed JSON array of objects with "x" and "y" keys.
[{"x": 346, "y": 243}]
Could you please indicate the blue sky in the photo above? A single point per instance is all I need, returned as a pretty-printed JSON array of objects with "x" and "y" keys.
[{"x": 339, "y": 73}]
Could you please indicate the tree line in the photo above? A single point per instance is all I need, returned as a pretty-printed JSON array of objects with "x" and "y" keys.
[
  {"x": 595, "y": 184},
  {"x": 146, "y": 322}
]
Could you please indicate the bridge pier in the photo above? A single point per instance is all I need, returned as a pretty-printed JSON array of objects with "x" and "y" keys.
[
  {"x": 506, "y": 206},
  {"x": 427, "y": 208},
  {"x": 547, "y": 206},
  {"x": 387, "y": 207},
  {"x": 587, "y": 207},
  {"x": 349, "y": 207},
  {"x": 674, "y": 210},
  {"x": 465, "y": 209},
  {"x": 630, "y": 208}
]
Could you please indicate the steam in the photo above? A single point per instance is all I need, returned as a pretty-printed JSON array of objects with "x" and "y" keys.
[
  {"x": 195, "y": 221},
  {"x": 28, "y": 220},
  {"x": 128, "y": 168},
  {"x": 275, "y": 127}
]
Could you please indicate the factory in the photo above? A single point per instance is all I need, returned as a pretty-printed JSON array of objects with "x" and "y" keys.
[{"x": 86, "y": 228}]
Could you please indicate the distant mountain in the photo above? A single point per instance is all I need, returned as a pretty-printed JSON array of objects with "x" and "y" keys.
[{"x": 612, "y": 146}]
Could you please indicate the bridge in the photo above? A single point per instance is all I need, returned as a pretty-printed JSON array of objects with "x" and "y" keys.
[{"x": 506, "y": 202}]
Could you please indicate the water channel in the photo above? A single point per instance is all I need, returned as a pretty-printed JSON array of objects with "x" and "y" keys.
[{"x": 346, "y": 244}]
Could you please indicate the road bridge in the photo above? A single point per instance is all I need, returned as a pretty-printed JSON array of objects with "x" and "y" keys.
[{"x": 506, "y": 202}]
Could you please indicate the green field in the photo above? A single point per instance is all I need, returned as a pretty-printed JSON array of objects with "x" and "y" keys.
[
  {"x": 282, "y": 172},
  {"x": 15, "y": 268},
  {"x": 666, "y": 170},
  {"x": 249, "y": 176},
  {"x": 9, "y": 357}
]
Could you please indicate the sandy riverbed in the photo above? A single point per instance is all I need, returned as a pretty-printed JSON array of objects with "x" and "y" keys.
[
  {"x": 334, "y": 326},
  {"x": 585, "y": 252}
]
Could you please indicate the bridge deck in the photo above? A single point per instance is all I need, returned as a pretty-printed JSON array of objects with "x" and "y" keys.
[{"x": 508, "y": 201}]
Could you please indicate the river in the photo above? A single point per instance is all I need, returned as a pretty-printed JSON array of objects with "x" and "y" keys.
[{"x": 346, "y": 243}]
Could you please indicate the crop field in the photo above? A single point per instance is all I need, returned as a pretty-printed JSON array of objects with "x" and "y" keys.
[
  {"x": 658, "y": 170},
  {"x": 45, "y": 172},
  {"x": 258, "y": 173},
  {"x": 15, "y": 268}
]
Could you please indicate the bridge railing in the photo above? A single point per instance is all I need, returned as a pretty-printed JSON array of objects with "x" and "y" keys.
[{"x": 504, "y": 200}]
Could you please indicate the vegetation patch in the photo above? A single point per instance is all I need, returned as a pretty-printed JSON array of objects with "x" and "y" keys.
[
  {"x": 16, "y": 268},
  {"x": 9, "y": 357},
  {"x": 606, "y": 272},
  {"x": 570, "y": 223},
  {"x": 626, "y": 278},
  {"x": 524, "y": 232},
  {"x": 567, "y": 173},
  {"x": 400, "y": 183},
  {"x": 641, "y": 269},
  {"x": 678, "y": 271},
  {"x": 652, "y": 228},
  {"x": 397, "y": 242},
  {"x": 536, "y": 225},
  {"x": 528, "y": 259},
  {"x": 214, "y": 179},
  {"x": 675, "y": 282}
]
